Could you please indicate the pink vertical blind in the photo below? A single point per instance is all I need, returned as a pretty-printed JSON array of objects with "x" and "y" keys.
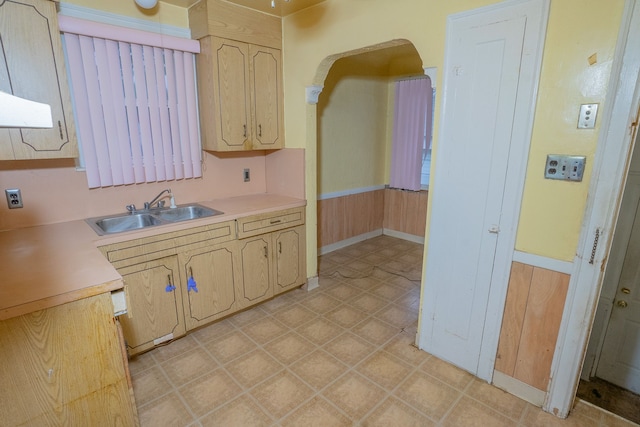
[
  {"x": 413, "y": 103},
  {"x": 135, "y": 103}
]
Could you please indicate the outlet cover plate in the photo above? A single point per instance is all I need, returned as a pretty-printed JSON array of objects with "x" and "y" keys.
[
  {"x": 587, "y": 116},
  {"x": 14, "y": 198},
  {"x": 566, "y": 168}
]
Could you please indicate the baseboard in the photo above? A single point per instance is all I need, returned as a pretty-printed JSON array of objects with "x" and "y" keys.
[
  {"x": 362, "y": 237},
  {"x": 312, "y": 283},
  {"x": 404, "y": 236},
  {"x": 350, "y": 241},
  {"x": 518, "y": 388}
]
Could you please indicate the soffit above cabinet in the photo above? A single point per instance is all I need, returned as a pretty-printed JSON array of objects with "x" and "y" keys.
[{"x": 282, "y": 8}]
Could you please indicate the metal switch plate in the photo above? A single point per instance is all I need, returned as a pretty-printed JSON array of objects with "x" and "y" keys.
[
  {"x": 567, "y": 168},
  {"x": 587, "y": 117},
  {"x": 246, "y": 173},
  {"x": 14, "y": 198}
]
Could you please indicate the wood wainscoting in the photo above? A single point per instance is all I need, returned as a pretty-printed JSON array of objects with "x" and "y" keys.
[
  {"x": 347, "y": 217},
  {"x": 532, "y": 315},
  {"x": 342, "y": 218},
  {"x": 405, "y": 211}
]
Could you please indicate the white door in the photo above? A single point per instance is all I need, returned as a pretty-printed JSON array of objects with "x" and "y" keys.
[
  {"x": 620, "y": 357},
  {"x": 490, "y": 80}
]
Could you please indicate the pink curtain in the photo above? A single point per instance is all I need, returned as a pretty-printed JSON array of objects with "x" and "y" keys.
[
  {"x": 411, "y": 127},
  {"x": 135, "y": 104}
]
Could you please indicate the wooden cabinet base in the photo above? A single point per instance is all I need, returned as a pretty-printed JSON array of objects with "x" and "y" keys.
[{"x": 64, "y": 366}]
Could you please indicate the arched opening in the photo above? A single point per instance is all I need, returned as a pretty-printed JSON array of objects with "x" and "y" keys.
[{"x": 354, "y": 119}]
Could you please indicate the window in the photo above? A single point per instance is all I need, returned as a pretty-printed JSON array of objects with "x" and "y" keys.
[
  {"x": 425, "y": 171},
  {"x": 135, "y": 103},
  {"x": 411, "y": 146}
]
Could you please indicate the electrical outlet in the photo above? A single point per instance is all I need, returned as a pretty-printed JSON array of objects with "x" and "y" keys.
[
  {"x": 247, "y": 175},
  {"x": 14, "y": 198},
  {"x": 568, "y": 168}
]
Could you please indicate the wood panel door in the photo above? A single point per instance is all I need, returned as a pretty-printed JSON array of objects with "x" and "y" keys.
[
  {"x": 489, "y": 88},
  {"x": 289, "y": 248},
  {"x": 154, "y": 304},
  {"x": 231, "y": 95},
  {"x": 256, "y": 261},
  {"x": 32, "y": 67},
  {"x": 208, "y": 284},
  {"x": 620, "y": 356},
  {"x": 266, "y": 97}
]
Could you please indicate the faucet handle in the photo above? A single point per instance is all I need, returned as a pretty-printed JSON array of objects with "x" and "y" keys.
[{"x": 131, "y": 208}]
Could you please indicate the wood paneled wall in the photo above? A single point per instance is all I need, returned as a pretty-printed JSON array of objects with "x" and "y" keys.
[
  {"x": 341, "y": 218},
  {"x": 532, "y": 315},
  {"x": 405, "y": 211}
]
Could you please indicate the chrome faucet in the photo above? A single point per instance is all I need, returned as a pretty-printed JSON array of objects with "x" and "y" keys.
[{"x": 149, "y": 205}]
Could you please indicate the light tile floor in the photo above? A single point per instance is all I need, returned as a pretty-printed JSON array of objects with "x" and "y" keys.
[{"x": 340, "y": 355}]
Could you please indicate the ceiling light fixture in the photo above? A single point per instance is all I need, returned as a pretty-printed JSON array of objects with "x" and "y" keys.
[
  {"x": 147, "y": 4},
  {"x": 273, "y": 3}
]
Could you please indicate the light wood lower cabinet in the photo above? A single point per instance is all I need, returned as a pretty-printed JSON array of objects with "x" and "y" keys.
[
  {"x": 209, "y": 282},
  {"x": 256, "y": 267},
  {"x": 290, "y": 259},
  {"x": 64, "y": 366},
  {"x": 154, "y": 304},
  {"x": 178, "y": 281}
]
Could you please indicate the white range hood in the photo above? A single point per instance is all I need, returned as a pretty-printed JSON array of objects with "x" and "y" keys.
[{"x": 18, "y": 112}]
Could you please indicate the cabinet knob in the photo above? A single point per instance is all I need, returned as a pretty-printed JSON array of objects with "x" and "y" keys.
[
  {"x": 244, "y": 130},
  {"x": 622, "y": 303},
  {"x": 260, "y": 131}
]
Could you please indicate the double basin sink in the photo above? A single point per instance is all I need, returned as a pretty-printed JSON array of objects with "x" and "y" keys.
[{"x": 148, "y": 218}]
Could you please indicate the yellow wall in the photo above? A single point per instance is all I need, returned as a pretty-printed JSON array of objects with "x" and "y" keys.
[
  {"x": 164, "y": 13},
  {"x": 552, "y": 211},
  {"x": 352, "y": 113}
]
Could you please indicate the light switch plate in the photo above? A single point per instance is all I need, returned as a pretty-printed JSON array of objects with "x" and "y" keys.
[
  {"x": 587, "y": 116},
  {"x": 567, "y": 168}
]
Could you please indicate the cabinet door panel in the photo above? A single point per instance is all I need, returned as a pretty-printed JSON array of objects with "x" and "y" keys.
[
  {"x": 231, "y": 82},
  {"x": 266, "y": 97},
  {"x": 256, "y": 270},
  {"x": 289, "y": 246},
  {"x": 154, "y": 303},
  {"x": 35, "y": 70},
  {"x": 208, "y": 278}
]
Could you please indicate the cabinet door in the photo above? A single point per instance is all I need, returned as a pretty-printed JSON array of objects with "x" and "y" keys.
[
  {"x": 154, "y": 304},
  {"x": 32, "y": 67},
  {"x": 231, "y": 90},
  {"x": 208, "y": 284},
  {"x": 256, "y": 261},
  {"x": 290, "y": 258},
  {"x": 266, "y": 97}
]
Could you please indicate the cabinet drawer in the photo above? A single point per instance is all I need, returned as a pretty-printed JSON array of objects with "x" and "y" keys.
[
  {"x": 273, "y": 221},
  {"x": 148, "y": 248}
]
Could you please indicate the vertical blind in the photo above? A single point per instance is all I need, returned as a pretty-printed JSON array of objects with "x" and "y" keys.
[
  {"x": 411, "y": 128},
  {"x": 135, "y": 99}
]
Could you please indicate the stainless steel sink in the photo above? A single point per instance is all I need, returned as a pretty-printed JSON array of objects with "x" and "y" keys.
[
  {"x": 185, "y": 213},
  {"x": 148, "y": 218}
]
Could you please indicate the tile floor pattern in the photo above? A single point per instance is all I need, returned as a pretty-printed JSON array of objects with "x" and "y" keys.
[{"x": 340, "y": 355}]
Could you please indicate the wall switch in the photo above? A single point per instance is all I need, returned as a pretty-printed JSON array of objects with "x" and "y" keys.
[
  {"x": 587, "y": 117},
  {"x": 567, "y": 168},
  {"x": 14, "y": 198},
  {"x": 247, "y": 175}
]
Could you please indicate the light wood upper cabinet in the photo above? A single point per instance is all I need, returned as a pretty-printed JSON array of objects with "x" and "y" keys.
[
  {"x": 154, "y": 304},
  {"x": 240, "y": 93},
  {"x": 32, "y": 67}
]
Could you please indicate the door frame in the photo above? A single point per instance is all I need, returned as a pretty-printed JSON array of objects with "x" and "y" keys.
[
  {"x": 601, "y": 212},
  {"x": 537, "y": 12}
]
